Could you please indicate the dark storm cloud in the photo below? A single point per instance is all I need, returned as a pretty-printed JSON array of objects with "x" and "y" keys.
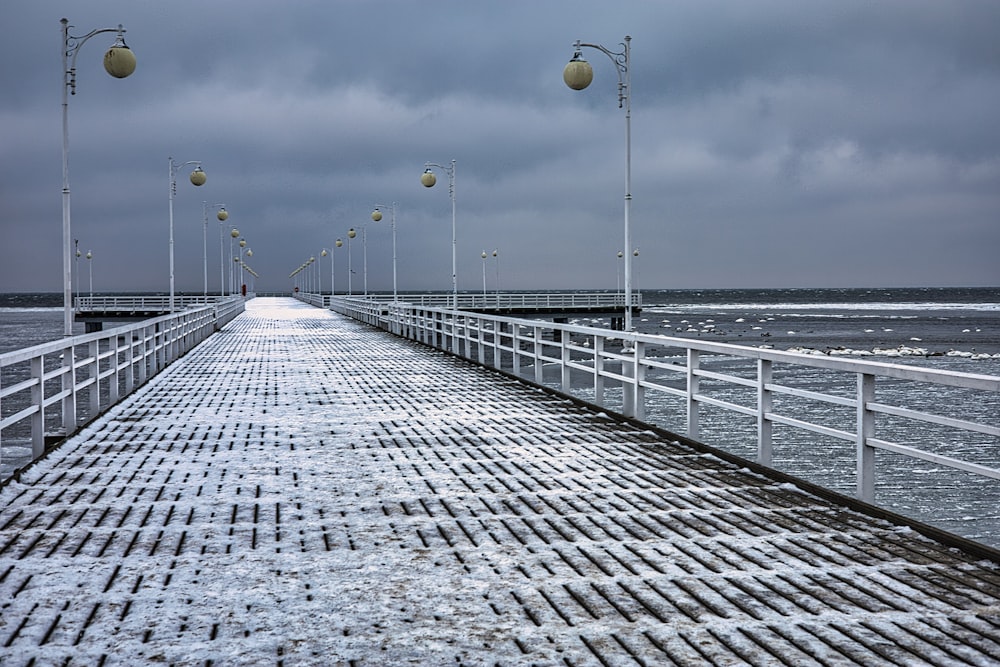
[{"x": 774, "y": 143}]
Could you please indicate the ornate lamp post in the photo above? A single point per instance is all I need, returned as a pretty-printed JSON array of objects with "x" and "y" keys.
[
  {"x": 90, "y": 267},
  {"x": 233, "y": 235},
  {"x": 197, "y": 178},
  {"x": 119, "y": 62},
  {"x": 222, "y": 216},
  {"x": 350, "y": 271},
  {"x": 428, "y": 179},
  {"x": 578, "y": 74},
  {"x": 376, "y": 216},
  {"x": 243, "y": 244},
  {"x": 484, "y": 275},
  {"x": 333, "y": 267}
]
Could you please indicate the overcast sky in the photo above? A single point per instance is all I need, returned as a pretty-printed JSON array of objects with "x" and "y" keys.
[{"x": 774, "y": 144}]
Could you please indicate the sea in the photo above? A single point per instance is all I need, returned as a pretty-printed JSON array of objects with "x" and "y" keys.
[{"x": 955, "y": 329}]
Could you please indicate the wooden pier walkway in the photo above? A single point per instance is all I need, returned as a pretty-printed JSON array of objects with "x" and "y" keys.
[{"x": 304, "y": 490}]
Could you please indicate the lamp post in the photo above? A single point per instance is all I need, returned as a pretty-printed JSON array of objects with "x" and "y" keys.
[
  {"x": 76, "y": 244},
  {"x": 333, "y": 268},
  {"x": 484, "y": 276},
  {"x": 242, "y": 287},
  {"x": 428, "y": 179},
  {"x": 119, "y": 62},
  {"x": 233, "y": 235},
  {"x": 496, "y": 257},
  {"x": 578, "y": 74},
  {"x": 222, "y": 216},
  {"x": 90, "y": 267},
  {"x": 197, "y": 178},
  {"x": 376, "y": 216},
  {"x": 350, "y": 271}
]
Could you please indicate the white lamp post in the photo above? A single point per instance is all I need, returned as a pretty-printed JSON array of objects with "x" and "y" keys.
[
  {"x": 578, "y": 74},
  {"x": 222, "y": 216},
  {"x": 496, "y": 257},
  {"x": 233, "y": 235},
  {"x": 197, "y": 178},
  {"x": 428, "y": 179},
  {"x": 484, "y": 276},
  {"x": 350, "y": 271},
  {"x": 119, "y": 62},
  {"x": 376, "y": 216},
  {"x": 90, "y": 266},
  {"x": 333, "y": 267},
  {"x": 76, "y": 245}
]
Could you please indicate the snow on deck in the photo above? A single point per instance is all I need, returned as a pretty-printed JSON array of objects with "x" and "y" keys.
[{"x": 301, "y": 489}]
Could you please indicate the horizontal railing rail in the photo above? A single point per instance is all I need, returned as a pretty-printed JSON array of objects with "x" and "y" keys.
[
  {"x": 49, "y": 391},
  {"x": 628, "y": 371},
  {"x": 527, "y": 301}
]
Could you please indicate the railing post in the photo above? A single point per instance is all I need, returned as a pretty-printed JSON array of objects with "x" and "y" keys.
[
  {"x": 38, "y": 400},
  {"x": 640, "y": 375},
  {"x": 693, "y": 428},
  {"x": 565, "y": 356},
  {"x": 497, "y": 342},
  {"x": 628, "y": 386},
  {"x": 515, "y": 346},
  {"x": 599, "y": 370},
  {"x": 95, "y": 374},
  {"x": 866, "y": 430},
  {"x": 765, "y": 406},
  {"x": 537, "y": 354},
  {"x": 116, "y": 364},
  {"x": 69, "y": 387}
]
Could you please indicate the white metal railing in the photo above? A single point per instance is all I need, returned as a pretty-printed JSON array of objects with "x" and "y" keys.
[
  {"x": 762, "y": 384},
  {"x": 509, "y": 301},
  {"x": 137, "y": 303},
  {"x": 51, "y": 390}
]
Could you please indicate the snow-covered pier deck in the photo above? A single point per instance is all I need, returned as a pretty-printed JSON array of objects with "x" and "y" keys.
[{"x": 302, "y": 489}]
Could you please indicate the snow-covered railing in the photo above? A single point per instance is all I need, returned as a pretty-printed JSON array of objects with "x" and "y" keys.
[
  {"x": 826, "y": 396},
  {"x": 137, "y": 303},
  {"x": 49, "y": 391}
]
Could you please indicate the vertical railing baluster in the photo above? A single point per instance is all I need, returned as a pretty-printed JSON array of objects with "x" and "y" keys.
[
  {"x": 865, "y": 430},
  {"x": 564, "y": 339},
  {"x": 639, "y": 376},
  {"x": 693, "y": 421},
  {"x": 537, "y": 353},
  {"x": 95, "y": 375},
  {"x": 38, "y": 400},
  {"x": 599, "y": 370},
  {"x": 765, "y": 405},
  {"x": 68, "y": 383}
]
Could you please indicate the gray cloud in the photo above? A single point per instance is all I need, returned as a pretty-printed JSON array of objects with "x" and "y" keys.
[{"x": 774, "y": 143}]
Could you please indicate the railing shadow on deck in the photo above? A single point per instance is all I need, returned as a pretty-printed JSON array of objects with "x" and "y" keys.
[
  {"x": 857, "y": 427},
  {"x": 50, "y": 391}
]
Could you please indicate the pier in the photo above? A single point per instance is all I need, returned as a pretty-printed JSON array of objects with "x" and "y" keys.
[{"x": 304, "y": 489}]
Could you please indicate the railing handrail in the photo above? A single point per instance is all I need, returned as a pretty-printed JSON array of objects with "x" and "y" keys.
[{"x": 494, "y": 300}]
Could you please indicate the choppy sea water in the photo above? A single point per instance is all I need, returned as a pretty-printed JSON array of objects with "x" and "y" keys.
[{"x": 948, "y": 328}]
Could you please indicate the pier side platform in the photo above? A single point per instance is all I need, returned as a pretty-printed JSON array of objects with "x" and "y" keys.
[{"x": 301, "y": 489}]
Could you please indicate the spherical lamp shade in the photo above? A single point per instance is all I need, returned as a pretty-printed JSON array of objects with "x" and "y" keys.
[
  {"x": 119, "y": 61},
  {"x": 340, "y": 244},
  {"x": 376, "y": 215},
  {"x": 198, "y": 177},
  {"x": 235, "y": 233},
  {"x": 428, "y": 179},
  {"x": 351, "y": 233},
  {"x": 222, "y": 215},
  {"x": 578, "y": 74}
]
